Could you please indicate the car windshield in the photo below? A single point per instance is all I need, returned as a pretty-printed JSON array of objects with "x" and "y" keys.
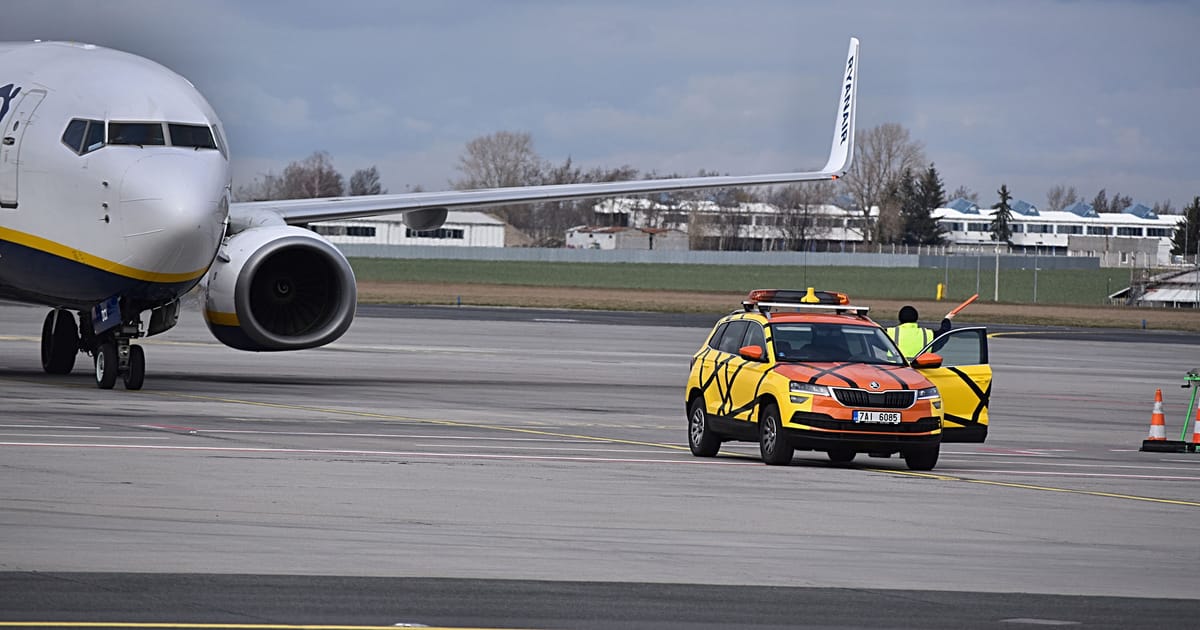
[{"x": 818, "y": 342}]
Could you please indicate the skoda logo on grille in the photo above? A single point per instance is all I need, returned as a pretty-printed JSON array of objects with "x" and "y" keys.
[{"x": 874, "y": 385}]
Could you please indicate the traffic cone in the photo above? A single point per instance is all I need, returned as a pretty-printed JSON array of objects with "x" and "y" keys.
[
  {"x": 1196, "y": 431},
  {"x": 1158, "y": 424}
]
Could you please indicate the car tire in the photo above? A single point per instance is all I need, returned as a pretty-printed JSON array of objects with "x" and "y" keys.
[
  {"x": 771, "y": 442},
  {"x": 841, "y": 455},
  {"x": 922, "y": 457},
  {"x": 701, "y": 438}
]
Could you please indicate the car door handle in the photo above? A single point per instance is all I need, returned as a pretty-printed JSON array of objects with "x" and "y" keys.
[{"x": 9, "y": 140}]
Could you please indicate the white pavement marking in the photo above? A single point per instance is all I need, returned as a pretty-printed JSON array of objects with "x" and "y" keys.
[
  {"x": 318, "y": 451},
  {"x": 45, "y": 426},
  {"x": 393, "y": 435},
  {"x": 1052, "y": 473},
  {"x": 81, "y": 436}
]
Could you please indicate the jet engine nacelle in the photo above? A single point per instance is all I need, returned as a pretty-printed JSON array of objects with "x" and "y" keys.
[
  {"x": 429, "y": 219},
  {"x": 279, "y": 287}
]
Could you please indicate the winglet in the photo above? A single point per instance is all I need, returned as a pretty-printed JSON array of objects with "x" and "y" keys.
[{"x": 842, "y": 151}]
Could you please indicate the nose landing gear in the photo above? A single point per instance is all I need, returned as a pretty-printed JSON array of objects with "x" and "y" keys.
[
  {"x": 114, "y": 355},
  {"x": 112, "y": 352}
]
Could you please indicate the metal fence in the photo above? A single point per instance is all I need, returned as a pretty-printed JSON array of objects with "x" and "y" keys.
[{"x": 815, "y": 259}]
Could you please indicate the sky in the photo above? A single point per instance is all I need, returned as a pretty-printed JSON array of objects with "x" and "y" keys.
[{"x": 1091, "y": 94}]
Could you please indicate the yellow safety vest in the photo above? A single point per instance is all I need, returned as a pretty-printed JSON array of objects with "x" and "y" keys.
[{"x": 911, "y": 338}]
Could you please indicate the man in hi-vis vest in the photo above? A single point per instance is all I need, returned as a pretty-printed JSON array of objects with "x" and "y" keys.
[{"x": 910, "y": 336}]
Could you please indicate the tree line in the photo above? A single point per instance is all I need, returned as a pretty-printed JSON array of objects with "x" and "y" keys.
[
  {"x": 314, "y": 176},
  {"x": 890, "y": 172}
]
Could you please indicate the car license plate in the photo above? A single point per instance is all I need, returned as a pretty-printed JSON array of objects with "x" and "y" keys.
[{"x": 885, "y": 417}]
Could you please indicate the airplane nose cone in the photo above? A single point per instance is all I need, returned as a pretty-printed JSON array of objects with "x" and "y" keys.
[{"x": 172, "y": 211}]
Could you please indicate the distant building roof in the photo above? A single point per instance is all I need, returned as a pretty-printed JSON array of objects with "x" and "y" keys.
[
  {"x": 1081, "y": 209},
  {"x": 1025, "y": 208},
  {"x": 1140, "y": 211},
  {"x": 843, "y": 200},
  {"x": 965, "y": 206},
  {"x": 453, "y": 217},
  {"x": 595, "y": 229}
]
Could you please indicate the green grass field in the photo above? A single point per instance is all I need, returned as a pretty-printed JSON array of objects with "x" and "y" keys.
[{"x": 1053, "y": 287}]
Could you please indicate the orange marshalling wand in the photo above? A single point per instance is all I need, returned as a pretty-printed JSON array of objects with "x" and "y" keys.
[{"x": 963, "y": 305}]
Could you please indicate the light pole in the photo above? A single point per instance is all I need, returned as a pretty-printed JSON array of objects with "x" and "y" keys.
[
  {"x": 1035, "y": 270},
  {"x": 978, "y": 259},
  {"x": 996, "y": 294}
]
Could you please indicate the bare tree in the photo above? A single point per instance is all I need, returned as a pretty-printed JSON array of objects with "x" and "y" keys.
[
  {"x": 1100, "y": 201},
  {"x": 1162, "y": 208},
  {"x": 962, "y": 192},
  {"x": 501, "y": 160},
  {"x": 264, "y": 188},
  {"x": 314, "y": 176},
  {"x": 311, "y": 177},
  {"x": 1119, "y": 202},
  {"x": 548, "y": 222},
  {"x": 1059, "y": 197},
  {"x": 881, "y": 155},
  {"x": 800, "y": 219},
  {"x": 365, "y": 181}
]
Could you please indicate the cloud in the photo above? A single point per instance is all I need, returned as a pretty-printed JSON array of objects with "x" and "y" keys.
[{"x": 998, "y": 92}]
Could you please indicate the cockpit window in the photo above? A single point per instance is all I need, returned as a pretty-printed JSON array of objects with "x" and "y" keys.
[
  {"x": 141, "y": 134},
  {"x": 195, "y": 136},
  {"x": 221, "y": 144},
  {"x": 73, "y": 136},
  {"x": 84, "y": 136},
  {"x": 95, "y": 136}
]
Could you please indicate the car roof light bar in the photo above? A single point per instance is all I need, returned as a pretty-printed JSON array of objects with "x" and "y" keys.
[{"x": 767, "y": 307}]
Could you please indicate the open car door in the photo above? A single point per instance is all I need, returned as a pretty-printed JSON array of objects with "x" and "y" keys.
[{"x": 964, "y": 381}]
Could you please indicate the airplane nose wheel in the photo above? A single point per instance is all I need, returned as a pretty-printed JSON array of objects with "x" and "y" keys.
[
  {"x": 123, "y": 358},
  {"x": 106, "y": 365},
  {"x": 135, "y": 374}
]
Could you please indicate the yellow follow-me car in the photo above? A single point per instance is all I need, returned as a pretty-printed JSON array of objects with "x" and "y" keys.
[{"x": 806, "y": 370}]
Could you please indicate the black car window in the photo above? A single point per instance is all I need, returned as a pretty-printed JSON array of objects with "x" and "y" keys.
[
  {"x": 715, "y": 341},
  {"x": 755, "y": 337},
  {"x": 732, "y": 339}
]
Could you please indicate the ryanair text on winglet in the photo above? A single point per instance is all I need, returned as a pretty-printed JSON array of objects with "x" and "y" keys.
[{"x": 846, "y": 99}]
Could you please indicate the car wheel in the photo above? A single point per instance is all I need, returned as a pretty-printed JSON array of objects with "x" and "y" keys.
[
  {"x": 771, "y": 441},
  {"x": 701, "y": 439},
  {"x": 922, "y": 457},
  {"x": 841, "y": 455}
]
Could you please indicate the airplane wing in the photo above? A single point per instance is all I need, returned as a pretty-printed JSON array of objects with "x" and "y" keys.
[{"x": 434, "y": 204}]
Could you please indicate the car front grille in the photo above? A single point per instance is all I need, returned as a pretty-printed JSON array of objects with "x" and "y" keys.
[{"x": 902, "y": 399}]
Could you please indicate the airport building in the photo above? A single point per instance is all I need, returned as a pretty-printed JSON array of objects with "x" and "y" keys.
[
  {"x": 1134, "y": 237},
  {"x": 616, "y": 237},
  {"x": 462, "y": 229}
]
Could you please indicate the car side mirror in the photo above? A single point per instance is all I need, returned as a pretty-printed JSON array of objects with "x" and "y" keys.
[
  {"x": 751, "y": 353},
  {"x": 927, "y": 360}
]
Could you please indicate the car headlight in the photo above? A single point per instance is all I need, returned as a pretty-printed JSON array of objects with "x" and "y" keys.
[
  {"x": 809, "y": 388},
  {"x": 927, "y": 393}
]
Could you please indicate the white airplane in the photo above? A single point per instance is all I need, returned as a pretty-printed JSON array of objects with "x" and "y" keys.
[{"x": 115, "y": 202}]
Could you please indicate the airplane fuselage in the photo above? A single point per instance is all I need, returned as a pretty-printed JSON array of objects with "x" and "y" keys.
[{"x": 114, "y": 178}]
